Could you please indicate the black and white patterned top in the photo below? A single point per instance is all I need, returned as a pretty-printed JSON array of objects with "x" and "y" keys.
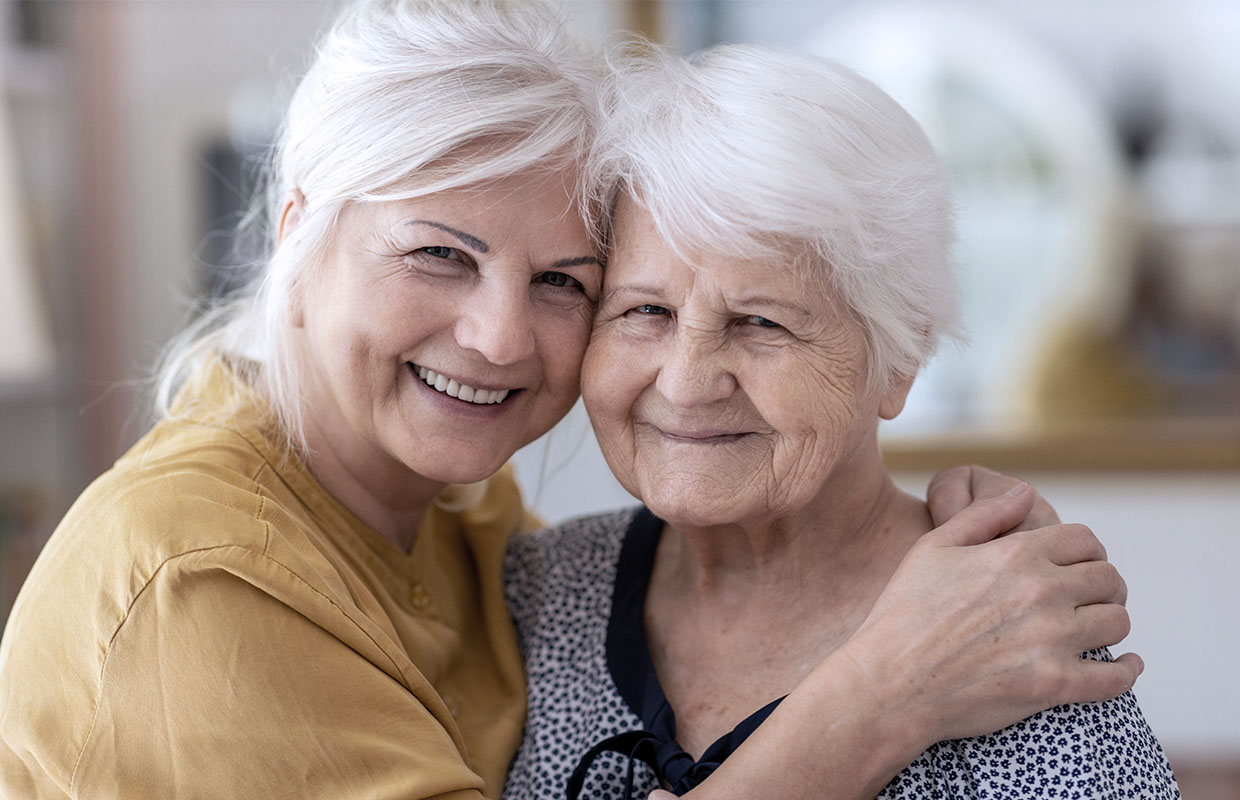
[{"x": 576, "y": 594}]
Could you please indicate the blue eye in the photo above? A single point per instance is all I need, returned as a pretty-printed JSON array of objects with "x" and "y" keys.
[
  {"x": 446, "y": 253},
  {"x": 761, "y": 322},
  {"x": 650, "y": 309},
  {"x": 559, "y": 279}
]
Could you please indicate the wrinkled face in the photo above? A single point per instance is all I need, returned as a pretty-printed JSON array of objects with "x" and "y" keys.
[
  {"x": 727, "y": 392},
  {"x": 443, "y": 333}
]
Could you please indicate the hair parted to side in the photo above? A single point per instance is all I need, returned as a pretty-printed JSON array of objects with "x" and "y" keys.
[
  {"x": 755, "y": 152},
  {"x": 404, "y": 98}
]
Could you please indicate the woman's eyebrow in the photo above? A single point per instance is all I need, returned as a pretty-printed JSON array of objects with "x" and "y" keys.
[
  {"x": 576, "y": 262},
  {"x": 775, "y": 302},
  {"x": 470, "y": 241},
  {"x": 635, "y": 288}
]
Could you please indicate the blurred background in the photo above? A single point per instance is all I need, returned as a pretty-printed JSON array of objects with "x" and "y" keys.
[{"x": 1095, "y": 147}]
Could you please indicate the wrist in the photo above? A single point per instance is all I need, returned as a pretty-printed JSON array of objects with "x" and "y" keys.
[
  {"x": 881, "y": 712},
  {"x": 842, "y": 733}
]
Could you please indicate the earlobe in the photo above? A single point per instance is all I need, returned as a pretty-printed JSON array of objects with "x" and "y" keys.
[
  {"x": 892, "y": 402},
  {"x": 290, "y": 216}
]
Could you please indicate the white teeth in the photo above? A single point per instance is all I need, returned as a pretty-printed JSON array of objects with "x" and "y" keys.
[{"x": 453, "y": 388}]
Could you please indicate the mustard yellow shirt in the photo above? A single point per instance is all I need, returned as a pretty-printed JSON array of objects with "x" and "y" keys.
[{"x": 207, "y": 621}]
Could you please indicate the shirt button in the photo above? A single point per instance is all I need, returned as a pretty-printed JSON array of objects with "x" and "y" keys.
[
  {"x": 419, "y": 597},
  {"x": 452, "y": 709}
]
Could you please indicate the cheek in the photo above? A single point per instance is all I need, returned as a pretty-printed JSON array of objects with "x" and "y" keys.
[
  {"x": 812, "y": 400},
  {"x": 610, "y": 380},
  {"x": 563, "y": 344}
]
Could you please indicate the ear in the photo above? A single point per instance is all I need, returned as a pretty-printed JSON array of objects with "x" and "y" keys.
[
  {"x": 290, "y": 216},
  {"x": 892, "y": 402}
]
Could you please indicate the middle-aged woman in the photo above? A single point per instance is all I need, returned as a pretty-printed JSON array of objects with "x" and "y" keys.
[
  {"x": 778, "y": 273},
  {"x": 292, "y": 585}
]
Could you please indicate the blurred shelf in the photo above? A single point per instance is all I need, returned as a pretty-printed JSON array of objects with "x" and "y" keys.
[{"x": 1128, "y": 445}]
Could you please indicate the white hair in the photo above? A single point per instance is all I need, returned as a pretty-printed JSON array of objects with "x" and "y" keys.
[
  {"x": 747, "y": 150},
  {"x": 404, "y": 98}
]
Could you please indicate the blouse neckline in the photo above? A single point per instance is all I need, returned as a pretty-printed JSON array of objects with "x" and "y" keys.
[{"x": 632, "y": 669}]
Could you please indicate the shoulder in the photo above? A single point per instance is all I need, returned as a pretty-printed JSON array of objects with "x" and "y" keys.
[
  {"x": 185, "y": 501},
  {"x": 573, "y": 550},
  {"x": 558, "y": 578},
  {"x": 575, "y": 538},
  {"x": 161, "y": 500},
  {"x": 1086, "y": 750}
]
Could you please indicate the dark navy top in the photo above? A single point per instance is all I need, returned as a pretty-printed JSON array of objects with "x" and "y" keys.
[{"x": 600, "y": 726}]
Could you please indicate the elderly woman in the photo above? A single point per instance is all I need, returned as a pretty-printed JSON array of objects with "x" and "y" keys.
[
  {"x": 778, "y": 274},
  {"x": 291, "y": 586}
]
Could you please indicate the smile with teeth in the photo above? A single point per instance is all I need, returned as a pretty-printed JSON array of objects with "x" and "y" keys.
[{"x": 452, "y": 388}]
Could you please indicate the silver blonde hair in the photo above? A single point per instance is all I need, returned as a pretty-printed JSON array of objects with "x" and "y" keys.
[
  {"x": 751, "y": 151},
  {"x": 404, "y": 98}
]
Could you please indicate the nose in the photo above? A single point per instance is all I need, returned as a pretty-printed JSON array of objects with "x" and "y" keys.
[
  {"x": 694, "y": 371},
  {"x": 498, "y": 323}
]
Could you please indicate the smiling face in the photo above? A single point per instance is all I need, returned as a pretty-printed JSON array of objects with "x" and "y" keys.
[
  {"x": 727, "y": 393},
  {"x": 442, "y": 333}
]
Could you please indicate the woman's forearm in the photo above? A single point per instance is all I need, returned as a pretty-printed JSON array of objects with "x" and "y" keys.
[
  {"x": 971, "y": 634},
  {"x": 837, "y": 735}
]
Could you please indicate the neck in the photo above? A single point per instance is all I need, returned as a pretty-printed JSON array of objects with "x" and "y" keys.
[
  {"x": 844, "y": 553},
  {"x": 744, "y": 611},
  {"x": 377, "y": 489},
  {"x": 854, "y": 527}
]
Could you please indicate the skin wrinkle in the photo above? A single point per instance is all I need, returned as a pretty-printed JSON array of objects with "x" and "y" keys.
[
  {"x": 708, "y": 371},
  {"x": 387, "y": 297},
  {"x": 758, "y": 444},
  {"x": 467, "y": 239}
]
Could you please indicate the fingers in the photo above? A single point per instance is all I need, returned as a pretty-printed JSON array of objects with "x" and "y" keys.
[
  {"x": 986, "y": 483},
  {"x": 1091, "y": 582},
  {"x": 950, "y": 492},
  {"x": 1100, "y": 625},
  {"x": 1064, "y": 544},
  {"x": 986, "y": 519},
  {"x": 954, "y": 489},
  {"x": 1091, "y": 681},
  {"x": 1042, "y": 515}
]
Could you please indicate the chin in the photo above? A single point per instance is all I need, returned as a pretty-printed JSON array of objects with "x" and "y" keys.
[
  {"x": 457, "y": 468},
  {"x": 704, "y": 507}
]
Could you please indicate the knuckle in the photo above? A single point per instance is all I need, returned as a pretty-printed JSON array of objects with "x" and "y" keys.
[
  {"x": 1077, "y": 530},
  {"x": 1089, "y": 540},
  {"x": 1011, "y": 553},
  {"x": 1122, "y": 624},
  {"x": 1115, "y": 583},
  {"x": 1052, "y": 685},
  {"x": 1034, "y": 592}
]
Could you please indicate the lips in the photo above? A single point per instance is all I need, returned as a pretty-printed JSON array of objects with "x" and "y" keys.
[
  {"x": 461, "y": 391},
  {"x": 703, "y": 437}
]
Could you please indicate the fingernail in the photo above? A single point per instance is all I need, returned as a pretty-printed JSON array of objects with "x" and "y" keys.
[{"x": 1018, "y": 489}]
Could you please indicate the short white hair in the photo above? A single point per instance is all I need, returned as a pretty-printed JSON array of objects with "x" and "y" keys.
[
  {"x": 747, "y": 150},
  {"x": 404, "y": 98}
]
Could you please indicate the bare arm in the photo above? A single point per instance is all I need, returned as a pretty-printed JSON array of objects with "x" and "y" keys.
[{"x": 972, "y": 634}]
